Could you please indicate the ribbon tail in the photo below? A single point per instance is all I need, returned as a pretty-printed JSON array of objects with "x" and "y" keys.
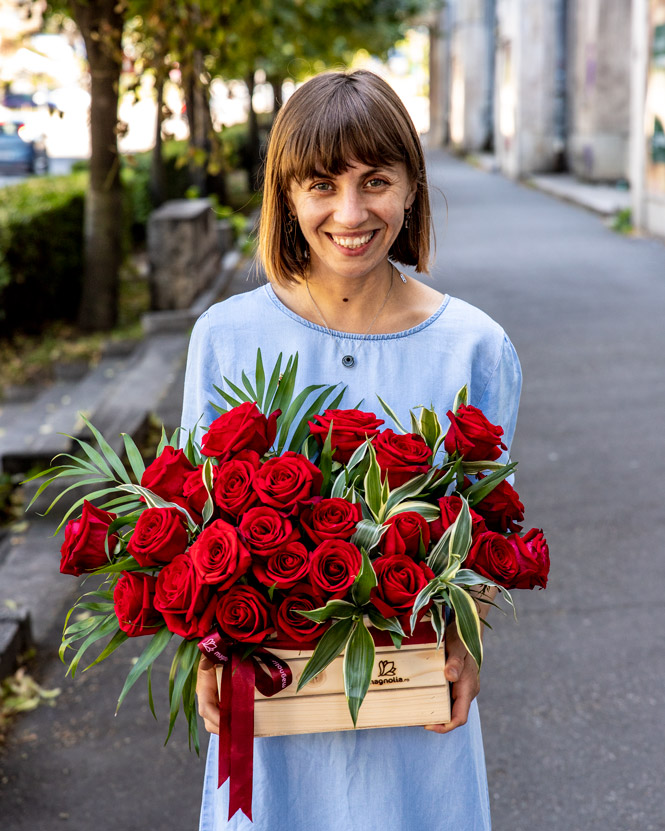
[
  {"x": 225, "y": 721},
  {"x": 241, "y": 757}
]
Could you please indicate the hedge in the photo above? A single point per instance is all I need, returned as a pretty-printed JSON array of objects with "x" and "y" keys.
[{"x": 41, "y": 251}]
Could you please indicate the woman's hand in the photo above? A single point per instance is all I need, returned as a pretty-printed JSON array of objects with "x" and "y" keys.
[
  {"x": 462, "y": 671},
  {"x": 206, "y": 692}
]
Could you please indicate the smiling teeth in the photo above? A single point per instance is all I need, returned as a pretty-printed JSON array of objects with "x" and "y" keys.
[{"x": 353, "y": 242}]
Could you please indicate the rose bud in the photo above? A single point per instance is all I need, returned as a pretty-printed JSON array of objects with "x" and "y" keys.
[
  {"x": 401, "y": 456},
  {"x": 450, "y": 506},
  {"x": 335, "y": 565},
  {"x": 85, "y": 546},
  {"x": 286, "y": 481},
  {"x": 188, "y": 605},
  {"x": 405, "y": 533},
  {"x": 233, "y": 491},
  {"x": 285, "y": 568},
  {"x": 399, "y": 581},
  {"x": 242, "y": 428},
  {"x": 264, "y": 531},
  {"x": 219, "y": 556},
  {"x": 159, "y": 536},
  {"x": 331, "y": 519},
  {"x": 472, "y": 436},
  {"x": 244, "y": 615},
  {"x": 493, "y": 556},
  {"x": 166, "y": 476},
  {"x": 133, "y": 599},
  {"x": 533, "y": 559},
  {"x": 350, "y": 429},
  {"x": 290, "y": 624},
  {"x": 501, "y": 508}
]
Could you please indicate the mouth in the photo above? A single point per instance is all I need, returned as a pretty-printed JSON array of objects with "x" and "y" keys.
[{"x": 352, "y": 242}]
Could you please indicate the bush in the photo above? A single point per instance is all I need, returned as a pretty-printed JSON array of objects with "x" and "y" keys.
[{"x": 41, "y": 251}]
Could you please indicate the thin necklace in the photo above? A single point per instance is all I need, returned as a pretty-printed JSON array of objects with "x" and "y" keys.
[{"x": 349, "y": 360}]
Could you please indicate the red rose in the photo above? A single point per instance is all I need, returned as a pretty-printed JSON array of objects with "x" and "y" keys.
[
  {"x": 234, "y": 492},
  {"x": 350, "y": 429},
  {"x": 450, "y": 506},
  {"x": 264, "y": 531},
  {"x": 295, "y": 626},
  {"x": 219, "y": 556},
  {"x": 331, "y": 519},
  {"x": 285, "y": 568},
  {"x": 242, "y": 428},
  {"x": 533, "y": 559},
  {"x": 167, "y": 474},
  {"x": 195, "y": 492},
  {"x": 401, "y": 456},
  {"x": 244, "y": 615},
  {"x": 404, "y": 534},
  {"x": 399, "y": 581},
  {"x": 85, "y": 545},
  {"x": 335, "y": 565},
  {"x": 471, "y": 435},
  {"x": 159, "y": 536},
  {"x": 133, "y": 598},
  {"x": 286, "y": 481},
  {"x": 493, "y": 556},
  {"x": 188, "y": 605},
  {"x": 501, "y": 508}
]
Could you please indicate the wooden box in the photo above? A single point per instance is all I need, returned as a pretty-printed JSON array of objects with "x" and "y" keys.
[{"x": 407, "y": 688}]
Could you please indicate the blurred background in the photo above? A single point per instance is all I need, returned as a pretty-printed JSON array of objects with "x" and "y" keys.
[{"x": 131, "y": 139}]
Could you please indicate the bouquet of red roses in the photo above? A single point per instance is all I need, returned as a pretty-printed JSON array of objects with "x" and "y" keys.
[{"x": 293, "y": 522}]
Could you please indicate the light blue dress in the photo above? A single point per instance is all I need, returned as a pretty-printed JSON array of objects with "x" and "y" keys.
[{"x": 367, "y": 780}]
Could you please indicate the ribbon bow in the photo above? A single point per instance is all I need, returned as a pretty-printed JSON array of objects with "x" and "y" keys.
[{"x": 241, "y": 673}]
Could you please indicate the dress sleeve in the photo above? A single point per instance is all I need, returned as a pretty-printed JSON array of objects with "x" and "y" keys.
[
  {"x": 201, "y": 376},
  {"x": 501, "y": 397}
]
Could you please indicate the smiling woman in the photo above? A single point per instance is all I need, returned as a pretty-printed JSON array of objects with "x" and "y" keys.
[{"x": 345, "y": 205}]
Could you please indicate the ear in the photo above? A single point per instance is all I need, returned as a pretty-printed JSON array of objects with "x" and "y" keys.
[{"x": 411, "y": 196}]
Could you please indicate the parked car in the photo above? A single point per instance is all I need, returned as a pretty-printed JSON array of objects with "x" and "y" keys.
[{"x": 21, "y": 149}]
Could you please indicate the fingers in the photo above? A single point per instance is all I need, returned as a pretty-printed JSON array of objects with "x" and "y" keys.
[
  {"x": 206, "y": 692},
  {"x": 462, "y": 671}
]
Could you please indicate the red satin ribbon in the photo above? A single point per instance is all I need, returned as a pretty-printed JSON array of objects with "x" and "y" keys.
[{"x": 240, "y": 675}]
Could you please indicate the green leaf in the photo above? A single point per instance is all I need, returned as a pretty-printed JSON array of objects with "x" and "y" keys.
[
  {"x": 461, "y": 398},
  {"x": 468, "y": 621},
  {"x": 390, "y": 624},
  {"x": 96, "y": 458},
  {"x": 322, "y": 402},
  {"x": 286, "y": 385},
  {"x": 272, "y": 387},
  {"x": 133, "y": 456},
  {"x": 367, "y": 534},
  {"x": 327, "y": 649},
  {"x": 187, "y": 662},
  {"x": 230, "y": 400},
  {"x": 333, "y": 608},
  {"x": 157, "y": 645},
  {"x": 391, "y": 414},
  {"x": 472, "y": 468},
  {"x": 241, "y": 394},
  {"x": 430, "y": 427},
  {"x": 438, "y": 557},
  {"x": 113, "y": 644},
  {"x": 364, "y": 582},
  {"x": 480, "y": 489},
  {"x": 438, "y": 624},
  {"x": 358, "y": 455},
  {"x": 423, "y": 598},
  {"x": 425, "y": 509},
  {"x": 108, "y": 625},
  {"x": 460, "y": 535},
  {"x": 410, "y": 489},
  {"x": 373, "y": 487},
  {"x": 326, "y": 461},
  {"x": 163, "y": 442},
  {"x": 109, "y": 453},
  {"x": 209, "y": 507},
  {"x": 250, "y": 389},
  {"x": 357, "y": 667},
  {"x": 260, "y": 379}
]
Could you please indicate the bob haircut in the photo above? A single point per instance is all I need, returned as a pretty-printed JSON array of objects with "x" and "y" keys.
[{"x": 329, "y": 122}]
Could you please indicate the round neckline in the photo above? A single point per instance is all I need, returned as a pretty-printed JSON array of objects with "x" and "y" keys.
[{"x": 355, "y": 335}]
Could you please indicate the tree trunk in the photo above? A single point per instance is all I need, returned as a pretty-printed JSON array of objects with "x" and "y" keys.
[
  {"x": 157, "y": 171},
  {"x": 253, "y": 138},
  {"x": 276, "y": 84},
  {"x": 101, "y": 25}
]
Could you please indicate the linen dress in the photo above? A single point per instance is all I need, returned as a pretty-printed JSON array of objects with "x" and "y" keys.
[{"x": 389, "y": 779}]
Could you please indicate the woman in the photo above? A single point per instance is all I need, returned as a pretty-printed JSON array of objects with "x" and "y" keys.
[{"x": 345, "y": 196}]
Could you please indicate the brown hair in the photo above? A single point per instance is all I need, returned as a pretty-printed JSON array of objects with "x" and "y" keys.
[{"x": 332, "y": 120}]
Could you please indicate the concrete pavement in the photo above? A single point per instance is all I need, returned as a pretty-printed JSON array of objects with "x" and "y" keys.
[{"x": 572, "y": 694}]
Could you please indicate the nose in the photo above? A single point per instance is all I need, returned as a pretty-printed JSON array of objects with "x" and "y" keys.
[{"x": 350, "y": 210}]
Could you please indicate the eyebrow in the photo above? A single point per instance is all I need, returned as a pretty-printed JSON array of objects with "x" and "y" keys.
[{"x": 319, "y": 174}]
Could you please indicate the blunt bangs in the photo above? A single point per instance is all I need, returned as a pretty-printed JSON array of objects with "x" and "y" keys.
[{"x": 332, "y": 121}]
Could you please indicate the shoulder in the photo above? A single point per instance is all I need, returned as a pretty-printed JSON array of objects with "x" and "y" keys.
[{"x": 237, "y": 309}]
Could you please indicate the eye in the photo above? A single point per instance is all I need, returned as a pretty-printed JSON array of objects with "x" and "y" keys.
[
  {"x": 376, "y": 182},
  {"x": 322, "y": 187}
]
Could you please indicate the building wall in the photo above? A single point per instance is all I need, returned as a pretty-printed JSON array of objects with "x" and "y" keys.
[{"x": 599, "y": 89}]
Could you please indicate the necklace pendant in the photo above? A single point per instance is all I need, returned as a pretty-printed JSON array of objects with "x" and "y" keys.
[{"x": 348, "y": 361}]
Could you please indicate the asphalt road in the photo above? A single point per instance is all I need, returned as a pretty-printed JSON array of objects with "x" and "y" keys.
[{"x": 573, "y": 692}]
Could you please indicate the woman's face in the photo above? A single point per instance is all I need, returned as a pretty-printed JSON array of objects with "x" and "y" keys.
[{"x": 351, "y": 220}]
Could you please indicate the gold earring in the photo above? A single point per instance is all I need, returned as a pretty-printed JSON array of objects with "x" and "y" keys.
[
  {"x": 407, "y": 217},
  {"x": 290, "y": 223}
]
